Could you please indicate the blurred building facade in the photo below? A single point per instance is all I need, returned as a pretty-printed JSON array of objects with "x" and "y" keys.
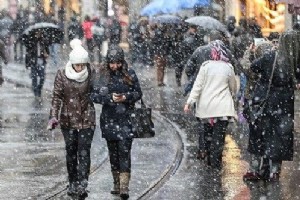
[{"x": 271, "y": 16}]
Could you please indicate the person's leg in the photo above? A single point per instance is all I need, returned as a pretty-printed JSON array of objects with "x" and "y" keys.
[
  {"x": 125, "y": 167},
  {"x": 70, "y": 138},
  {"x": 1, "y": 75},
  {"x": 34, "y": 77},
  {"x": 217, "y": 143},
  {"x": 113, "y": 150},
  {"x": 85, "y": 138},
  {"x": 203, "y": 144},
  {"x": 178, "y": 73},
  {"x": 275, "y": 169},
  {"x": 160, "y": 67},
  {"x": 41, "y": 75},
  {"x": 90, "y": 46}
]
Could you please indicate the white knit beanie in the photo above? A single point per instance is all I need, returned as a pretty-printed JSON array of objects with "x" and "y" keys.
[{"x": 78, "y": 54}]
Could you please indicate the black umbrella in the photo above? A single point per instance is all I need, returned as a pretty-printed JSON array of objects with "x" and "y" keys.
[{"x": 48, "y": 32}]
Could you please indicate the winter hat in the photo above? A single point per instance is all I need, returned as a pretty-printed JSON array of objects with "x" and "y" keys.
[
  {"x": 78, "y": 54},
  {"x": 115, "y": 53}
]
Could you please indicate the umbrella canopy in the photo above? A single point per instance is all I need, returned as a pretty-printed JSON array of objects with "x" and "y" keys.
[
  {"x": 207, "y": 23},
  {"x": 171, "y": 6},
  {"x": 193, "y": 3},
  {"x": 166, "y": 19},
  {"x": 50, "y": 33}
]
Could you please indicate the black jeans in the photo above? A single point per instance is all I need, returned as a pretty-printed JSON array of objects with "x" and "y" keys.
[
  {"x": 212, "y": 139},
  {"x": 38, "y": 79},
  {"x": 78, "y": 146},
  {"x": 120, "y": 155}
]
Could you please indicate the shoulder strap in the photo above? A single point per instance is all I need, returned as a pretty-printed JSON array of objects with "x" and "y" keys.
[{"x": 272, "y": 74}]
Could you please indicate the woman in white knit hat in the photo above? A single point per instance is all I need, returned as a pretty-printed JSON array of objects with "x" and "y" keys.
[{"x": 72, "y": 109}]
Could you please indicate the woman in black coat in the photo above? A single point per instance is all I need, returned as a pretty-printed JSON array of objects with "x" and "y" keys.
[
  {"x": 271, "y": 142},
  {"x": 117, "y": 90}
]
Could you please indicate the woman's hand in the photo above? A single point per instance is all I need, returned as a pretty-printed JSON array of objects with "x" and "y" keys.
[
  {"x": 186, "y": 108},
  {"x": 118, "y": 98}
]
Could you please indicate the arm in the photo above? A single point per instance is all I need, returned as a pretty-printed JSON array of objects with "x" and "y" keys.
[
  {"x": 232, "y": 83},
  {"x": 136, "y": 93},
  {"x": 191, "y": 65},
  {"x": 257, "y": 65},
  {"x": 100, "y": 93},
  {"x": 197, "y": 87},
  {"x": 57, "y": 96}
]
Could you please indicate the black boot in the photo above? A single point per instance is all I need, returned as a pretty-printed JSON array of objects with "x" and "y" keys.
[{"x": 72, "y": 189}]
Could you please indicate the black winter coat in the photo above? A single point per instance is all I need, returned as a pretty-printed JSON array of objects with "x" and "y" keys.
[
  {"x": 115, "y": 121},
  {"x": 273, "y": 132}
]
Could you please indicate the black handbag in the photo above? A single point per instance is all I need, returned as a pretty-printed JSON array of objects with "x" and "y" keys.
[
  {"x": 257, "y": 109},
  {"x": 142, "y": 124}
]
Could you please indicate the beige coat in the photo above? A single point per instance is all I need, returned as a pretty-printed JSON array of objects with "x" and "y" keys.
[{"x": 214, "y": 90}]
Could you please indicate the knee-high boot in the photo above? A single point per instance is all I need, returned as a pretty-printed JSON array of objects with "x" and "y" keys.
[
  {"x": 124, "y": 185},
  {"x": 116, "y": 177}
]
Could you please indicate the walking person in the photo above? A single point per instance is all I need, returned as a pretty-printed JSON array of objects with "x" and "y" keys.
[
  {"x": 88, "y": 35},
  {"x": 3, "y": 59},
  {"x": 213, "y": 93},
  {"x": 117, "y": 91},
  {"x": 162, "y": 44},
  {"x": 271, "y": 141},
  {"x": 73, "y": 110},
  {"x": 98, "y": 31},
  {"x": 37, "y": 52}
]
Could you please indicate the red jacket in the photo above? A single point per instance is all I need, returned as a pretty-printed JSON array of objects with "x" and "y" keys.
[{"x": 87, "y": 29}]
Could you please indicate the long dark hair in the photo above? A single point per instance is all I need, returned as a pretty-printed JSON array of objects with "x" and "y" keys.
[{"x": 124, "y": 72}]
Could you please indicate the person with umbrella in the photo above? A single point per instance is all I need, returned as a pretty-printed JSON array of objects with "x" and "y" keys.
[
  {"x": 37, "y": 52},
  {"x": 37, "y": 38}
]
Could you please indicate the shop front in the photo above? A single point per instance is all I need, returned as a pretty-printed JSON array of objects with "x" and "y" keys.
[{"x": 269, "y": 15}]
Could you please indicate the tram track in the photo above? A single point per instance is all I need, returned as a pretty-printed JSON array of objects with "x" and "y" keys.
[{"x": 156, "y": 184}]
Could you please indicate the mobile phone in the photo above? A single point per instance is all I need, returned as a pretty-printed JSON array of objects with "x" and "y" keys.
[
  {"x": 118, "y": 95},
  {"x": 258, "y": 41}
]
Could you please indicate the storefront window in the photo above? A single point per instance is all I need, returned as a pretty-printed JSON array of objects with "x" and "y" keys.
[{"x": 269, "y": 15}]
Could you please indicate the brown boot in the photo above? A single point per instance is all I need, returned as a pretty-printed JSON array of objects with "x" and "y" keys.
[
  {"x": 124, "y": 185},
  {"x": 116, "y": 177}
]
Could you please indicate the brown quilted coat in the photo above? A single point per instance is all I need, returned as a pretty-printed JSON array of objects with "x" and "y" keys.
[{"x": 71, "y": 100}]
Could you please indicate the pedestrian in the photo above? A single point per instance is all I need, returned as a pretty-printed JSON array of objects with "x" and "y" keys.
[
  {"x": 213, "y": 93},
  {"x": 74, "y": 29},
  {"x": 88, "y": 35},
  {"x": 73, "y": 110},
  {"x": 98, "y": 31},
  {"x": 272, "y": 140},
  {"x": 117, "y": 91},
  {"x": 37, "y": 52},
  {"x": 162, "y": 44},
  {"x": 3, "y": 59},
  {"x": 114, "y": 31},
  {"x": 199, "y": 56},
  {"x": 17, "y": 29}
]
